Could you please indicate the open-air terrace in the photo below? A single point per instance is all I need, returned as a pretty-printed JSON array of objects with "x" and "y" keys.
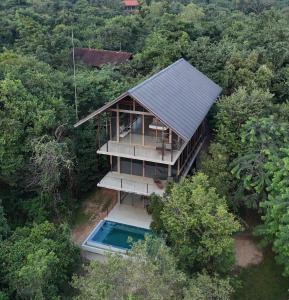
[
  {"x": 132, "y": 184},
  {"x": 130, "y": 147}
]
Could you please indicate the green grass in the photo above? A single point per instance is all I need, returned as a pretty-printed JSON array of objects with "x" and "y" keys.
[{"x": 263, "y": 282}]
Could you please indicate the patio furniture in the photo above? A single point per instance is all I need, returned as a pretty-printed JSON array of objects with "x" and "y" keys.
[{"x": 159, "y": 183}]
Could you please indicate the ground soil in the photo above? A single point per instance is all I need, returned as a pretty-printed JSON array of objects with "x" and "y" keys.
[
  {"x": 247, "y": 252},
  {"x": 94, "y": 208}
]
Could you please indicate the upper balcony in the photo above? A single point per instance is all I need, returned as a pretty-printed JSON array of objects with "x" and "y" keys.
[
  {"x": 138, "y": 135},
  {"x": 151, "y": 151}
]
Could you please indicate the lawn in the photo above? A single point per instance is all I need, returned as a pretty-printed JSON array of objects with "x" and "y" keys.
[{"x": 263, "y": 282}]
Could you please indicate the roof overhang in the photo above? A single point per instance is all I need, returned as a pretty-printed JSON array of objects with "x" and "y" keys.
[
  {"x": 109, "y": 104},
  {"x": 100, "y": 110}
]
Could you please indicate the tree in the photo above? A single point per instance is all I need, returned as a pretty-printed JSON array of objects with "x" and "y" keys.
[
  {"x": 256, "y": 6},
  {"x": 38, "y": 261},
  {"x": 234, "y": 111},
  {"x": 191, "y": 13},
  {"x": 161, "y": 48},
  {"x": 52, "y": 167},
  {"x": 198, "y": 225},
  {"x": 4, "y": 228},
  {"x": 204, "y": 287},
  {"x": 275, "y": 207},
  {"x": 149, "y": 272},
  {"x": 33, "y": 279},
  {"x": 216, "y": 165},
  {"x": 261, "y": 139}
]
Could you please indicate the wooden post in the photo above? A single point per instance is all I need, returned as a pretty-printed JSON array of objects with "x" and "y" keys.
[
  {"x": 143, "y": 130},
  {"x": 178, "y": 173},
  {"x": 106, "y": 125},
  {"x": 98, "y": 132},
  {"x": 118, "y": 164},
  {"x": 110, "y": 129},
  {"x": 143, "y": 168},
  {"x": 117, "y": 124},
  {"x": 130, "y": 124},
  {"x": 169, "y": 170},
  {"x": 171, "y": 143},
  {"x": 170, "y": 136}
]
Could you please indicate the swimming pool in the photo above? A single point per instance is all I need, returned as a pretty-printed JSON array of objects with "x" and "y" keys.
[{"x": 109, "y": 235}]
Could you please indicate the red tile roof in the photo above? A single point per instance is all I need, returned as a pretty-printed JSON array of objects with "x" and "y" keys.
[
  {"x": 130, "y": 3},
  {"x": 96, "y": 57}
]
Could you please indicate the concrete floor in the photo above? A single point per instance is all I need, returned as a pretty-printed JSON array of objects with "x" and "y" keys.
[
  {"x": 135, "y": 215},
  {"x": 131, "y": 183},
  {"x": 147, "y": 152}
]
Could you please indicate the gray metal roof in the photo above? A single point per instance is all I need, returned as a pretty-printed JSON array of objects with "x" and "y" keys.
[{"x": 179, "y": 95}]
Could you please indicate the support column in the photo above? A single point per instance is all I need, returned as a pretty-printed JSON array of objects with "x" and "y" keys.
[
  {"x": 117, "y": 124},
  {"x": 170, "y": 136},
  {"x": 118, "y": 197},
  {"x": 130, "y": 124},
  {"x": 110, "y": 128},
  {"x": 118, "y": 164},
  {"x": 169, "y": 171},
  {"x": 143, "y": 168},
  {"x": 143, "y": 131}
]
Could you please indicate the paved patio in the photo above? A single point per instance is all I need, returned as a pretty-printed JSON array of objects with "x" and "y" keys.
[{"x": 135, "y": 215}]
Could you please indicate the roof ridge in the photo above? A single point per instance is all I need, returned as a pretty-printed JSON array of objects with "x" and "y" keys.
[
  {"x": 156, "y": 75},
  {"x": 102, "y": 50}
]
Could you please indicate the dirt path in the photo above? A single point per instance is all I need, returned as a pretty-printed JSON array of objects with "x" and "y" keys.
[
  {"x": 247, "y": 251},
  {"x": 94, "y": 209}
]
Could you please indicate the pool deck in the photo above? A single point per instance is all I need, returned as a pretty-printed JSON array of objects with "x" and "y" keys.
[
  {"x": 134, "y": 215},
  {"x": 129, "y": 213}
]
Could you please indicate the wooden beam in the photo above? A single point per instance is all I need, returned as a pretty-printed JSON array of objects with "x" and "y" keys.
[{"x": 136, "y": 112}]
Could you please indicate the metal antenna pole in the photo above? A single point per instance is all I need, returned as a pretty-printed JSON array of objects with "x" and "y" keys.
[{"x": 74, "y": 75}]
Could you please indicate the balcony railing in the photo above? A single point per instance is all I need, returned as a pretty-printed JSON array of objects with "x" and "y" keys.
[
  {"x": 163, "y": 153},
  {"x": 130, "y": 184}
]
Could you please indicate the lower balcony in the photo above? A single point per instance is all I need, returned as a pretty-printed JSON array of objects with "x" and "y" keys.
[{"x": 132, "y": 184}]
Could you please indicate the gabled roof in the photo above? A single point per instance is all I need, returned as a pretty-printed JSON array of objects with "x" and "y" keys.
[
  {"x": 128, "y": 3},
  {"x": 179, "y": 95},
  {"x": 97, "y": 58}
]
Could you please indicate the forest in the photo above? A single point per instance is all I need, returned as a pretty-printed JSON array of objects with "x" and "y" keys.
[{"x": 47, "y": 166}]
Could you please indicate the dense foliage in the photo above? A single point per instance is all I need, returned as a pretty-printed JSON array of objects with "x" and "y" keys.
[
  {"x": 197, "y": 225},
  {"x": 46, "y": 165},
  {"x": 37, "y": 262},
  {"x": 150, "y": 272}
]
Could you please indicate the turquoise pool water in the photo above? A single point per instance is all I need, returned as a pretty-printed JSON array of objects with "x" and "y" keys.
[{"x": 117, "y": 235}]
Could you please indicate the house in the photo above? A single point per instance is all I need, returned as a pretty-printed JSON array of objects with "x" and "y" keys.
[
  {"x": 152, "y": 135},
  {"x": 98, "y": 58},
  {"x": 130, "y": 5}
]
